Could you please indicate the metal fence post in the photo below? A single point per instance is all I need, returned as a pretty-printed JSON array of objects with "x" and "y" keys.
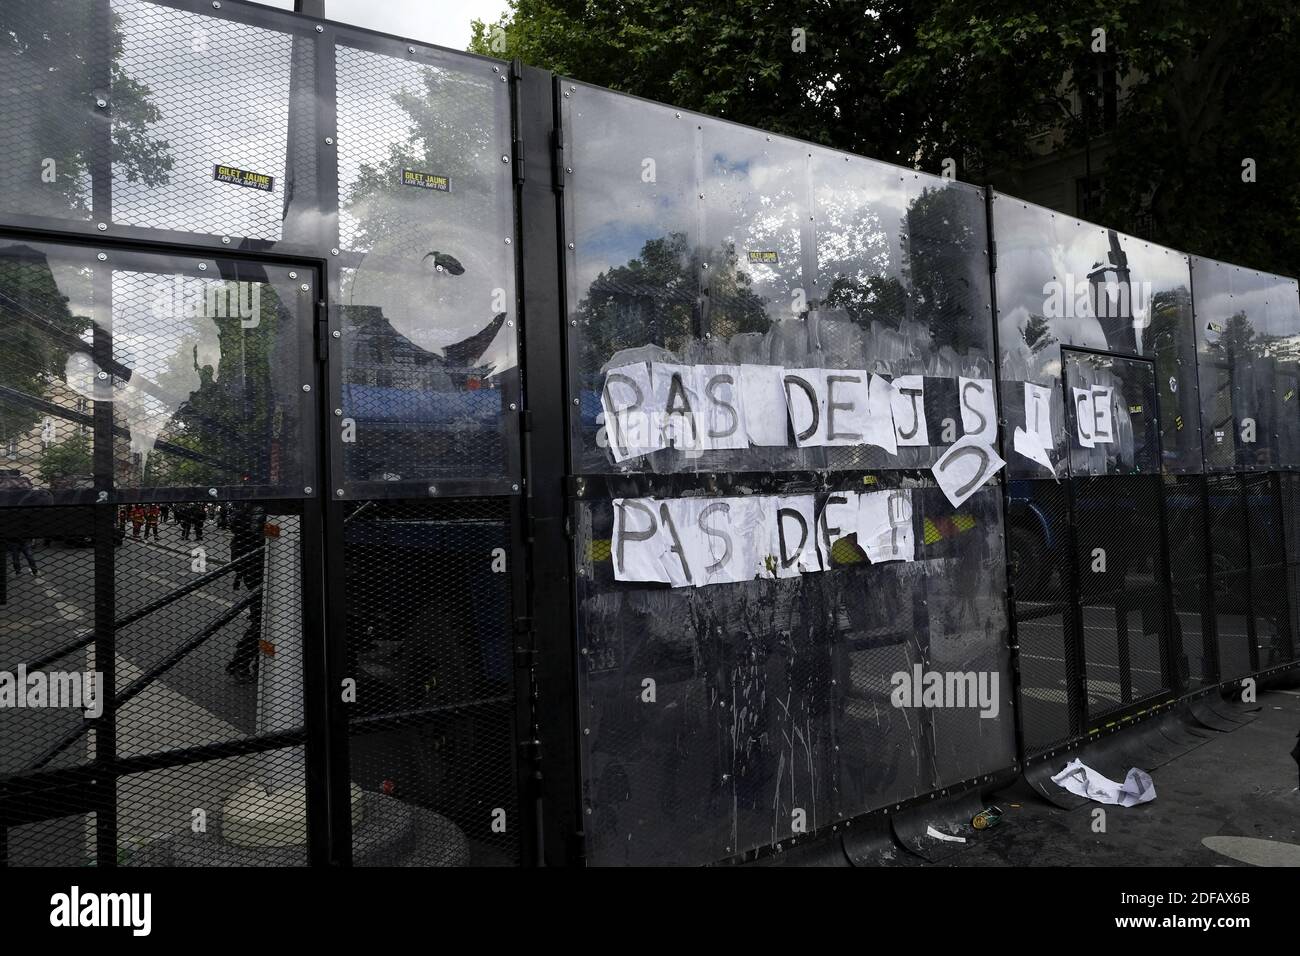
[{"x": 546, "y": 440}]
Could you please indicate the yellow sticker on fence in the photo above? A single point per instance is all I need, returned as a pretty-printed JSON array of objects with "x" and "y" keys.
[{"x": 243, "y": 177}]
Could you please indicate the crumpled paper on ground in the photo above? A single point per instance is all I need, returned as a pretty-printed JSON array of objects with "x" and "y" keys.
[{"x": 1079, "y": 778}]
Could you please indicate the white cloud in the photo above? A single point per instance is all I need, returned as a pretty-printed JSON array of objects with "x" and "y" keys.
[{"x": 430, "y": 21}]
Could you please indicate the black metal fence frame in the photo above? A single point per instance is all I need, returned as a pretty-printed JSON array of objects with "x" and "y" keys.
[{"x": 539, "y": 485}]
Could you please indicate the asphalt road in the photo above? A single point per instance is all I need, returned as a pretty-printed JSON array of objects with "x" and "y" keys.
[
  {"x": 1231, "y": 802},
  {"x": 1045, "y": 713},
  {"x": 188, "y": 705}
]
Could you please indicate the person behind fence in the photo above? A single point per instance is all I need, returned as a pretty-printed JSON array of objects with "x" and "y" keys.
[
  {"x": 246, "y": 521},
  {"x": 137, "y": 519},
  {"x": 151, "y": 512},
  {"x": 191, "y": 515},
  {"x": 21, "y": 547},
  {"x": 248, "y": 528}
]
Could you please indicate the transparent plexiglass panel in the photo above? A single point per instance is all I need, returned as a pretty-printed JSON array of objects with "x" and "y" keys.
[
  {"x": 772, "y": 696},
  {"x": 194, "y": 367},
  {"x": 1111, "y": 415},
  {"x": 1247, "y": 327},
  {"x": 707, "y": 259},
  {"x": 426, "y": 309},
  {"x": 1065, "y": 282},
  {"x": 201, "y": 122}
]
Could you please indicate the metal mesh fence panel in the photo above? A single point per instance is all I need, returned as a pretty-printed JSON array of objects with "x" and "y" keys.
[
  {"x": 47, "y": 586},
  {"x": 1245, "y": 321},
  {"x": 59, "y": 841},
  {"x": 166, "y": 618},
  {"x": 428, "y": 388},
  {"x": 428, "y": 617},
  {"x": 217, "y": 369},
  {"x": 48, "y": 60},
  {"x": 205, "y": 655},
  {"x": 239, "y": 811},
  {"x": 190, "y": 672},
  {"x": 206, "y": 380},
  {"x": 1289, "y": 497},
  {"x": 1121, "y": 592},
  {"x": 1041, "y": 569},
  {"x": 178, "y": 396},
  {"x": 200, "y": 102},
  {"x": 1230, "y": 563},
  {"x": 131, "y": 117},
  {"x": 1270, "y": 598},
  {"x": 1194, "y": 625},
  {"x": 48, "y": 312}
]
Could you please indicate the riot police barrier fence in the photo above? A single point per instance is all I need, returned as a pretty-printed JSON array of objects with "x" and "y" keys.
[{"x": 419, "y": 459}]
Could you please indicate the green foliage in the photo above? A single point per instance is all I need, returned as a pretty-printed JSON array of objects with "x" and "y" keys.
[
  {"x": 69, "y": 458},
  {"x": 654, "y": 298},
  {"x": 916, "y": 81},
  {"x": 229, "y": 416},
  {"x": 36, "y": 330},
  {"x": 60, "y": 51}
]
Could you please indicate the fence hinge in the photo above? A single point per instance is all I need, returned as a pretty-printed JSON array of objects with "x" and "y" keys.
[
  {"x": 523, "y": 624},
  {"x": 557, "y": 158},
  {"x": 517, "y": 149},
  {"x": 525, "y": 658},
  {"x": 531, "y": 750},
  {"x": 993, "y": 255},
  {"x": 526, "y": 419},
  {"x": 323, "y": 339}
]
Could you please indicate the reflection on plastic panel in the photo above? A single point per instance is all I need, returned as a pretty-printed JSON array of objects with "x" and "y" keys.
[
  {"x": 1065, "y": 282},
  {"x": 705, "y": 245},
  {"x": 427, "y": 304}
]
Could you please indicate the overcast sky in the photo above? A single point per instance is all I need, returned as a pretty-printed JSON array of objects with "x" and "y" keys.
[{"x": 444, "y": 22}]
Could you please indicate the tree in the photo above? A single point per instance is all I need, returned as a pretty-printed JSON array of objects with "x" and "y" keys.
[
  {"x": 654, "y": 297},
  {"x": 1207, "y": 86},
  {"x": 216, "y": 397},
  {"x": 38, "y": 332},
  {"x": 55, "y": 61},
  {"x": 51, "y": 60},
  {"x": 737, "y": 60},
  {"x": 69, "y": 458}
]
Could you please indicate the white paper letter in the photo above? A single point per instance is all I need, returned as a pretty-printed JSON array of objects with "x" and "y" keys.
[
  {"x": 763, "y": 405},
  {"x": 979, "y": 415},
  {"x": 908, "y": 403},
  {"x": 1083, "y": 416},
  {"x": 885, "y": 525},
  {"x": 964, "y": 468}
]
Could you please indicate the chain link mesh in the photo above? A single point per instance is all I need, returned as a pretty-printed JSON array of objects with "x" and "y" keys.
[{"x": 428, "y": 609}]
